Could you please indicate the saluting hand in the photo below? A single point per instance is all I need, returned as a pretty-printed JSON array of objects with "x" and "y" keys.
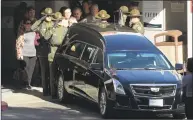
[{"x": 42, "y": 18}]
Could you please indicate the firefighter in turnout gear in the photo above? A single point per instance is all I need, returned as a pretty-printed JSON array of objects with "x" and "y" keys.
[
  {"x": 55, "y": 35},
  {"x": 41, "y": 26},
  {"x": 135, "y": 22}
]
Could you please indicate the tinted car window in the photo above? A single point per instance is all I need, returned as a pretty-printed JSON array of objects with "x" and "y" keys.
[
  {"x": 99, "y": 57},
  {"x": 137, "y": 60},
  {"x": 75, "y": 49},
  {"x": 88, "y": 53}
]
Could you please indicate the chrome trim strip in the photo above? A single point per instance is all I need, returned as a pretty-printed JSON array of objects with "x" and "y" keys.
[
  {"x": 170, "y": 107},
  {"x": 153, "y": 97},
  {"x": 153, "y": 85}
]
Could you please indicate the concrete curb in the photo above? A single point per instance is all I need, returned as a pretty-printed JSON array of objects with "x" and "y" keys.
[{"x": 4, "y": 106}]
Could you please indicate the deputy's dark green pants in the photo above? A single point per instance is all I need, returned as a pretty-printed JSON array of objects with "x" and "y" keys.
[
  {"x": 42, "y": 53},
  {"x": 45, "y": 75},
  {"x": 52, "y": 79}
]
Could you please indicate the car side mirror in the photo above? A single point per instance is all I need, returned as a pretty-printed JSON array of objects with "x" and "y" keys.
[
  {"x": 179, "y": 66},
  {"x": 96, "y": 66}
]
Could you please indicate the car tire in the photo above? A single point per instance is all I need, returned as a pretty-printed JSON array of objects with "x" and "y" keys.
[
  {"x": 105, "y": 107},
  {"x": 179, "y": 116},
  {"x": 62, "y": 95}
]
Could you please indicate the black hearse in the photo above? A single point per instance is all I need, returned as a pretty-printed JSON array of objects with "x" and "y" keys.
[{"x": 117, "y": 68}]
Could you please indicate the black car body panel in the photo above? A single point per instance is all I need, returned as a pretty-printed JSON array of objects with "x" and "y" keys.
[
  {"x": 94, "y": 45},
  {"x": 151, "y": 76}
]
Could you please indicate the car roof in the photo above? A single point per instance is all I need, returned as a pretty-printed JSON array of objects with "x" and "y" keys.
[
  {"x": 121, "y": 38},
  {"x": 110, "y": 27},
  {"x": 128, "y": 41}
]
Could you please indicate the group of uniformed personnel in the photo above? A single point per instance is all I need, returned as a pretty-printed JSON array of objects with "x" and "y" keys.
[
  {"x": 133, "y": 14},
  {"x": 52, "y": 29}
]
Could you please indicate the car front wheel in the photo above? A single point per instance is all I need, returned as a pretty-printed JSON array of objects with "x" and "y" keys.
[
  {"x": 106, "y": 109},
  {"x": 62, "y": 94}
]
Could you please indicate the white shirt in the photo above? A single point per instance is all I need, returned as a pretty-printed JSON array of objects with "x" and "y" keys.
[
  {"x": 69, "y": 22},
  {"x": 29, "y": 49}
]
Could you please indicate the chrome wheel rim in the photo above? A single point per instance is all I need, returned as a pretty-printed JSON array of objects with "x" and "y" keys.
[
  {"x": 103, "y": 103},
  {"x": 60, "y": 87}
]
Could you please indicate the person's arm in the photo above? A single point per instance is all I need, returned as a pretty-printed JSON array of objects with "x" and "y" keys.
[
  {"x": 37, "y": 37},
  {"x": 36, "y": 25},
  {"x": 19, "y": 46}
]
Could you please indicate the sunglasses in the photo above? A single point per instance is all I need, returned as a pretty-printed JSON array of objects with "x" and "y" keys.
[{"x": 27, "y": 23}]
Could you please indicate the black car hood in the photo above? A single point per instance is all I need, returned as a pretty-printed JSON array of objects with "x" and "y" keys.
[{"x": 148, "y": 76}]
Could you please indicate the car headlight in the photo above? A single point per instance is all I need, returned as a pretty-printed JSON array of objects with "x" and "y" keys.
[{"x": 118, "y": 87}]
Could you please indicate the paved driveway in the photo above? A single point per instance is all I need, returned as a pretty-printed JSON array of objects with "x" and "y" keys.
[{"x": 31, "y": 105}]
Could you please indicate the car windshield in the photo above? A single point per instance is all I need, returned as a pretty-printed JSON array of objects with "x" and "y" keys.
[{"x": 137, "y": 60}]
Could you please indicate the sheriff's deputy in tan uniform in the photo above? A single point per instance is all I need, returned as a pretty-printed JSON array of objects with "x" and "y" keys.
[
  {"x": 103, "y": 16},
  {"x": 135, "y": 22},
  {"x": 123, "y": 15},
  {"x": 55, "y": 35},
  {"x": 41, "y": 26}
]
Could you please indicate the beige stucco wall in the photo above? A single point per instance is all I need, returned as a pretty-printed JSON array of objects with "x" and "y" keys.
[{"x": 169, "y": 52}]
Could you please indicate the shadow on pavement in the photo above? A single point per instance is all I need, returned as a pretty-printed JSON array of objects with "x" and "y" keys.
[{"x": 45, "y": 113}]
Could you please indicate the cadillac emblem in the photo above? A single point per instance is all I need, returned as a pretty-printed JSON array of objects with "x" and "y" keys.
[{"x": 153, "y": 89}]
